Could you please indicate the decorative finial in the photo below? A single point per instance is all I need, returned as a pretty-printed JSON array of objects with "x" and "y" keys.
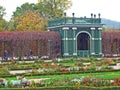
[
  {"x": 64, "y": 14},
  {"x": 94, "y": 15},
  {"x": 99, "y": 15},
  {"x": 73, "y": 14},
  {"x": 91, "y": 15},
  {"x": 61, "y": 15},
  {"x": 84, "y": 16}
]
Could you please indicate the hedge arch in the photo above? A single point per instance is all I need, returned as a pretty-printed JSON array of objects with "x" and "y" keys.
[{"x": 18, "y": 43}]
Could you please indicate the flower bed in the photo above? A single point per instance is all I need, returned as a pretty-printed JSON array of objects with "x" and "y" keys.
[{"x": 97, "y": 73}]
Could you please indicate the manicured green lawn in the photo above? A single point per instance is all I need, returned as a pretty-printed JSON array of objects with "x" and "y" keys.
[
  {"x": 72, "y": 62},
  {"x": 68, "y": 63},
  {"x": 104, "y": 75}
]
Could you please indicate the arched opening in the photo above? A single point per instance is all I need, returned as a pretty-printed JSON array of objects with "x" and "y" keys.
[
  {"x": 83, "y": 41},
  {"x": 83, "y": 44}
]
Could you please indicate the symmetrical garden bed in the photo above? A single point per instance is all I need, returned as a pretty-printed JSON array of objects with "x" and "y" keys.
[{"x": 75, "y": 72}]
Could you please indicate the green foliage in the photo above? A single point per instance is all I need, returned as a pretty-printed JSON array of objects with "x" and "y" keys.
[
  {"x": 33, "y": 84},
  {"x": 11, "y": 25},
  {"x": 26, "y": 17},
  {"x": 53, "y": 8},
  {"x": 77, "y": 85},
  {"x": 4, "y": 71},
  {"x": 28, "y": 21},
  {"x": 66, "y": 88},
  {"x": 3, "y": 24},
  {"x": 31, "y": 16},
  {"x": 24, "y": 8},
  {"x": 2, "y": 12}
]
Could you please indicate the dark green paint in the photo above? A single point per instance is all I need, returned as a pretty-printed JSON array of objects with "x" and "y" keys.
[{"x": 70, "y": 27}]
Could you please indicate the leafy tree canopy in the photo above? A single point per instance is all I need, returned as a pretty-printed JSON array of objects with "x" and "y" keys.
[
  {"x": 24, "y": 8},
  {"x": 2, "y": 12},
  {"x": 53, "y": 8},
  {"x": 28, "y": 21},
  {"x": 27, "y": 18},
  {"x": 34, "y": 16},
  {"x": 3, "y": 22}
]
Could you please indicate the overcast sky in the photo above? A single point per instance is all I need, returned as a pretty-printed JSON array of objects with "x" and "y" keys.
[{"x": 108, "y": 8}]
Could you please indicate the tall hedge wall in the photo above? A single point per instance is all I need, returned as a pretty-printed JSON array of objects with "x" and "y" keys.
[{"x": 18, "y": 43}]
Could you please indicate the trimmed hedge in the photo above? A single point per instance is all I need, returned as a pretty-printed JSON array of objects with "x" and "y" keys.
[
  {"x": 66, "y": 88},
  {"x": 60, "y": 73}
]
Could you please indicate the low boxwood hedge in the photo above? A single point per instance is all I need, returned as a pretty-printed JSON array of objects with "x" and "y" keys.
[
  {"x": 60, "y": 73},
  {"x": 66, "y": 88}
]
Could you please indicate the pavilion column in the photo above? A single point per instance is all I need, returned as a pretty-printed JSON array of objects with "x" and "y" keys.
[
  {"x": 100, "y": 41},
  {"x": 74, "y": 41},
  {"x": 92, "y": 46},
  {"x": 65, "y": 41}
]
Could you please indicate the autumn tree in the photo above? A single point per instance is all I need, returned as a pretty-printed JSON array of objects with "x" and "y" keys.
[
  {"x": 35, "y": 16},
  {"x": 3, "y": 24},
  {"x": 28, "y": 21},
  {"x": 53, "y": 8},
  {"x": 11, "y": 25},
  {"x": 26, "y": 17}
]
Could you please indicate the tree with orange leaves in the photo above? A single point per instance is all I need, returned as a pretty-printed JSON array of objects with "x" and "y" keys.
[{"x": 28, "y": 21}]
